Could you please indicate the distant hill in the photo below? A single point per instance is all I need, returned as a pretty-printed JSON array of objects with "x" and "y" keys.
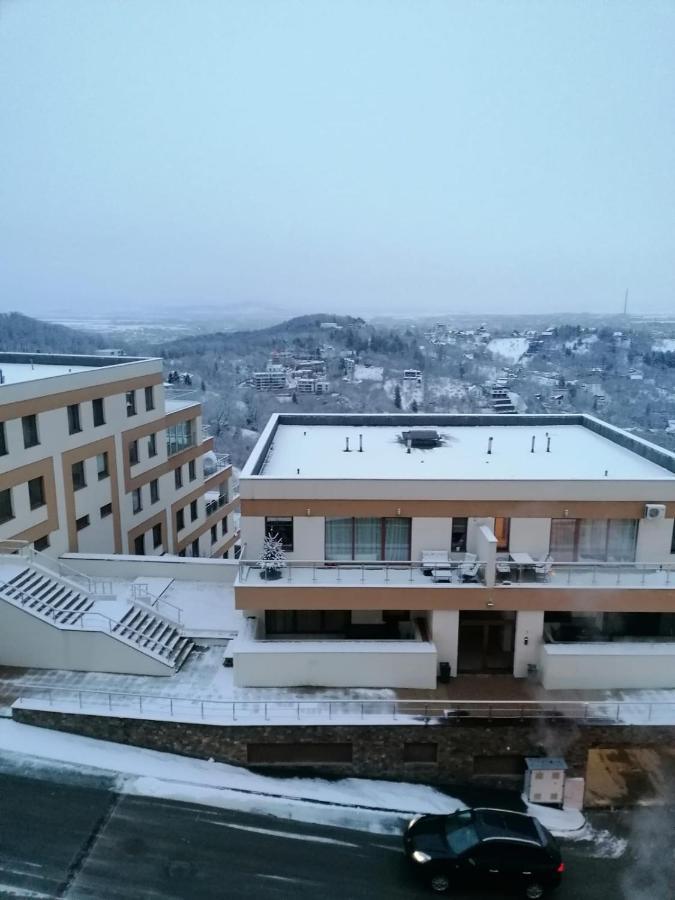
[
  {"x": 226, "y": 340},
  {"x": 23, "y": 334}
]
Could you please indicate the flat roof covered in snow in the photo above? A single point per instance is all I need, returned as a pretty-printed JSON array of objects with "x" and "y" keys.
[
  {"x": 577, "y": 452},
  {"x": 17, "y": 368}
]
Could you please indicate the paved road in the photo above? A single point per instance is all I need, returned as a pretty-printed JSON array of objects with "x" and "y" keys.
[{"x": 66, "y": 835}]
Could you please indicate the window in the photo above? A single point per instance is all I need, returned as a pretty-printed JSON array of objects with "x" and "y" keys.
[
  {"x": 237, "y": 551},
  {"x": 133, "y": 453},
  {"x": 192, "y": 470},
  {"x": 420, "y": 752},
  {"x": 36, "y": 492},
  {"x": 368, "y": 539},
  {"x": 3, "y": 440},
  {"x": 30, "y": 431},
  {"x": 299, "y": 753},
  {"x": 180, "y": 520},
  {"x": 195, "y": 547},
  {"x": 106, "y": 510},
  {"x": 82, "y": 522},
  {"x": 156, "y": 535},
  {"x": 307, "y": 621},
  {"x": 41, "y": 543},
  {"x": 152, "y": 445},
  {"x": 74, "y": 418},
  {"x": 102, "y": 466},
  {"x": 223, "y": 526},
  {"x": 154, "y": 491},
  {"x": 131, "y": 403},
  {"x": 139, "y": 545},
  {"x": 137, "y": 500},
  {"x": 79, "y": 480},
  {"x": 6, "y": 512},
  {"x": 282, "y": 528},
  {"x": 460, "y": 526},
  {"x": 181, "y": 552},
  {"x": 178, "y": 477},
  {"x": 149, "y": 398},
  {"x": 193, "y": 510},
  {"x": 214, "y": 534},
  {"x": 180, "y": 437},
  {"x": 98, "y": 411},
  {"x": 501, "y": 532},
  {"x": 596, "y": 540}
]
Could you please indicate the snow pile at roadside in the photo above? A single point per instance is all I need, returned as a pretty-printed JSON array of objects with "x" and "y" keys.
[{"x": 363, "y": 804}]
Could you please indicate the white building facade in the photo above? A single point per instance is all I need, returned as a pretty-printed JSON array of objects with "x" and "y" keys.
[{"x": 426, "y": 546}]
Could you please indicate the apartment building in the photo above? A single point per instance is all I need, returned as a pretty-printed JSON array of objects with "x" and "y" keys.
[
  {"x": 420, "y": 547},
  {"x": 95, "y": 457}
]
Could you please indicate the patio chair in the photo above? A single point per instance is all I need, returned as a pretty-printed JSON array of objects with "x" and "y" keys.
[
  {"x": 469, "y": 571},
  {"x": 502, "y": 565},
  {"x": 542, "y": 568},
  {"x": 434, "y": 559}
]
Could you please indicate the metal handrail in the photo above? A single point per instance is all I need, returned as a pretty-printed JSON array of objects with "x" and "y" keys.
[
  {"x": 430, "y": 712},
  {"x": 154, "y": 605},
  {"x": 474, "y": 569},
  {"x": 79, "y": 618}
]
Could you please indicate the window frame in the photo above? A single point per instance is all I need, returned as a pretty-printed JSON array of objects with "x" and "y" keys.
[
  {"x": 154, "y": 491},
  {"x": 78, "y": 484},
  {"x": 33, "y": 503},
  {"x": 7, "y": 516},
  {"x": 98, "y": 411},
  {"x": 139, "y": 542},
  {"x": 192, "y": 470},
  {"x": 137, "y": 500},
  {"x": 74, "y": 419},
  {"x": 194, "y": 510},
  {"x": 130, "y": 401},
  {"x": 82, "y": 523},
  {"x": 383, "y": 520},
  {"x": 180, "y": 519},
  {"x": 32, "y": 439},
  {"x": 105, "y": 510},
  {"x": 286, "y": 544},
  {"x": 157, "y": 531},
  {"x": 178, "y": 477},
  {"x": 4, "y": 450},
  {"x": 102, "y": 473},
  {"x": 134, "y": 457},
  {"x": 149, "y": 393},
  {"x": 152, "y": 445}
]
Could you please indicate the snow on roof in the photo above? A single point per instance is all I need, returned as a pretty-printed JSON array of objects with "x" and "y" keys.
[
  {"x": 16, "y": 373},
  {"x": 577, "y": 453}
]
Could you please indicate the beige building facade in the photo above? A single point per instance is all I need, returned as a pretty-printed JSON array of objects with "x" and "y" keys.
[{"x": 96, "y": 456}]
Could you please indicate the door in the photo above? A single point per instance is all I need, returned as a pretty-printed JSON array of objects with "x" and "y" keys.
[{"x": 486, "y": 642}]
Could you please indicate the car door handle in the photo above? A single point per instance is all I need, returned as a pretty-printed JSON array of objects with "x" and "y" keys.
[
  {"x": 493, "y": 870},
  {"x": 527, "y": 873}
]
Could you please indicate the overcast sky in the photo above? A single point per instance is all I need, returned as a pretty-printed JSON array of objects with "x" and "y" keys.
[{"x": 406, "y": 156}]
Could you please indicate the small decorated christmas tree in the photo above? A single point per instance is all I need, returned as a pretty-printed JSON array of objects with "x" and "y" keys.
[{"x": 272, "y": 559}]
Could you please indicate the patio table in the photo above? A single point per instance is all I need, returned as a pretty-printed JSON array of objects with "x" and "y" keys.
[{"x": 523, "y": 561}]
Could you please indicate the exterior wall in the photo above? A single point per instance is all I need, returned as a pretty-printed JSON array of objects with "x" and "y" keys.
[
  {"x": 654, "y": 540},
  {"x": 473, "y": 536},
  {"x": 445, "y": 634},
  {"x": 334, "y": 664},
  {"x": 627, "y": 665},
  {"x": 104, "y": 565},
  {"x": 309, "y": 538},
  {"x": 374, "y": 751},
  {"x": 28, "y": 642},
  {"x": 528, "y": 641},
  {"x": 433, "y": 533},
  {"x": 531, "y": 536}
]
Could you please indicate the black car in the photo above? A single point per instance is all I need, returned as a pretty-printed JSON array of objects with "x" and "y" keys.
[{"x": 484, "y": 848}]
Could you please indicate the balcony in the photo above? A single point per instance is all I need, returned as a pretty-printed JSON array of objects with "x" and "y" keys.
[
  {"x": 630, "y": 575},
  {"x": 364, "y": 574}
]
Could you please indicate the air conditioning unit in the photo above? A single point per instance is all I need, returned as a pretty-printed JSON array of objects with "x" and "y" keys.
[{"x": 655, "y": 511}]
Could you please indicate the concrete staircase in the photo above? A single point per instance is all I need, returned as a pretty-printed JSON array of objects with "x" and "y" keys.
[
  {"x": 156, "y": 635},
  {"x": 60, "y": 602}
]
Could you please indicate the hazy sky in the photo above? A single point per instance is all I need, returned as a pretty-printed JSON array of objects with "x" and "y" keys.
[{"x": 363, "y": 156}]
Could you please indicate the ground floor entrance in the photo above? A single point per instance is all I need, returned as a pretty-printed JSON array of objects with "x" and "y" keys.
[{"x": 486, "y": 642}]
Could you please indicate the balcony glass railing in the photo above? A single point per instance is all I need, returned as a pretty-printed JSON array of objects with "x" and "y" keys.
[{"x": 328, "y": 572}]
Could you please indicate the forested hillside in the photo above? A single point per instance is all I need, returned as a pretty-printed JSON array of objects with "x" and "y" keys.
[{"x": 23, "y": 334}]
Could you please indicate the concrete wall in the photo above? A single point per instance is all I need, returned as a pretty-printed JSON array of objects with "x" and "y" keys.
[
  {"x": 531, "y": 536},
  {"x": 528, "y": 641},
  {"x": 181, "y": 568},
  {"x": 29, "y": 642},
  {"x": 474, "y": 526},
  {"x": 608, "y": 666},
  {"x": 445, "y": 635},
  {"x": 654, "y": 540},
  {"x": 429, "y": 534},
  {"x": 334, "y": 664}
]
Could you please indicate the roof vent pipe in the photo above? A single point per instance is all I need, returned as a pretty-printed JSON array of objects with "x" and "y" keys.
[
  {"x": 360, "y": 443},
  {"x": 532, "y": 447},
  {"x": 489, "y": 450},
  {"x": 548, "y": 443},
  {"x": 347, "y": 450}
]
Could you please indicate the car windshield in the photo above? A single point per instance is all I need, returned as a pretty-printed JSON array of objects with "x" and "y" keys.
[{"x": 460, "y": 832}]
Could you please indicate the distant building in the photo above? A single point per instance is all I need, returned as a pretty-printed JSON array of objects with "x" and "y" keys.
[{"x": 272, "y": 379}]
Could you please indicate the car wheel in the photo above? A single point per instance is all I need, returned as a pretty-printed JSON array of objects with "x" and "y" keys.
[
  {"x": 439, "y": 883},
  {"x": 534, "y": 891}
]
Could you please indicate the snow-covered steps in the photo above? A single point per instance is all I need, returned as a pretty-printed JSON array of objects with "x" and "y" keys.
[
  {"x": 45, "y": 596},
  {"x": 154, "y": 635}
]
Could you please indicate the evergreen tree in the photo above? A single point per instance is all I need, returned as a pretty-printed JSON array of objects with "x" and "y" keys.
[{"x": 397, "y": 397}]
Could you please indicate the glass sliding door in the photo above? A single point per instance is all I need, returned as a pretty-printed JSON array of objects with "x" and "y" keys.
[
  {"x": 397, "y": 540},
  {"x": 563, "y": 539},
  {"x": 339, "y": 539},
  {"x": 621, "y": 540},
  {"x": 593, "y": 540},
  {"x": 368, "y": 539}
]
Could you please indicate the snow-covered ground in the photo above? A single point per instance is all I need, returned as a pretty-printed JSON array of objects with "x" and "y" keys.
[
  {"x": 368, "y": 373},
  {"x": 509, "y": 348},
  {"x": 363, "y": 804},
  {"x": 665, "y": 345}
]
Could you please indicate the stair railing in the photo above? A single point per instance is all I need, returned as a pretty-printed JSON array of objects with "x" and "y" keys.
[{"x": 141, "y": 594}]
